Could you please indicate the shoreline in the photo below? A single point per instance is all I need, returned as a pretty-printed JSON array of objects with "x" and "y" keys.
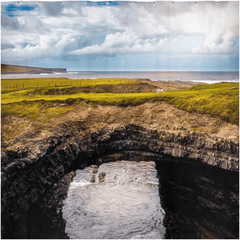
[{"x": 161, "y": 76}]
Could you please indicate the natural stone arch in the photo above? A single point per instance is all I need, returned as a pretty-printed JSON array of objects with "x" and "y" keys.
[{"x": 28, "y": 173}]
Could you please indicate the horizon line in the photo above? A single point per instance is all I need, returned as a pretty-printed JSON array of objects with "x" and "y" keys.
[{"x": 122, "y": 70}]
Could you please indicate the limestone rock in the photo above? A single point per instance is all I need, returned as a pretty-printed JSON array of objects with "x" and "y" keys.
[{"x": 32, "y": 165}]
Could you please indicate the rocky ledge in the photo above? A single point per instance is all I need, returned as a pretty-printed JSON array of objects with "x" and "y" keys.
[{"x": 32, "y": 164}]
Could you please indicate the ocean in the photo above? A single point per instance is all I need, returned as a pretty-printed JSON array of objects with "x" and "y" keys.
[
  {"x": 204, "y": 77},
  {"x": 125, "y": 205}
]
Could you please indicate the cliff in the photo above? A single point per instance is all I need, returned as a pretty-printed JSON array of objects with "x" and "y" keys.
[
  {"x": 33, "y": 164},
  {"x": 14, "y": 69},
  {"x": 196, "y": 157}
]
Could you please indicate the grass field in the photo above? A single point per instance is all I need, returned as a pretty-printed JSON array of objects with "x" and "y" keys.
[
  {"x": 28, "y": 83},
  {"x": 221, "y": 99}
]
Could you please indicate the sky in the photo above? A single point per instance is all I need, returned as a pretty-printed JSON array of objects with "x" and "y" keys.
[{"x": 121, "y": 36}]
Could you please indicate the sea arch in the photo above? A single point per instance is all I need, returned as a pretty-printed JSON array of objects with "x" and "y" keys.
[{"x": 28, "y": 172}]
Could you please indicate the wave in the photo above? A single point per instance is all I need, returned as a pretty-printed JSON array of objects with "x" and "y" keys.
[
  {"x": 44, "y": 74},
  {"x": 79, "y": 184},
  {"x": 214, "y": 81},
  {"x": 209, "y": 78},
  {"x": 73, "y": 72},
  {"x": 58, "y": 73}
]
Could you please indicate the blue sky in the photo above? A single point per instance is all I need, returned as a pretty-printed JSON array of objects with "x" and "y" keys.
[{"x": 121, "y": 36}]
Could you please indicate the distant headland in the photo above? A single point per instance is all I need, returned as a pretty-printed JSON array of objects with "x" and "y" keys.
[{"x": 16, "y": 69}]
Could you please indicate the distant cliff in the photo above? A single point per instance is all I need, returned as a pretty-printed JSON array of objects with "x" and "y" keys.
[{"x": 13, "y": 69}]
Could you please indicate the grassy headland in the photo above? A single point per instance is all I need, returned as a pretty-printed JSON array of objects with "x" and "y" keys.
[
  {"x": 16, "y": 69},
  {"x": 52, "y": 100}
]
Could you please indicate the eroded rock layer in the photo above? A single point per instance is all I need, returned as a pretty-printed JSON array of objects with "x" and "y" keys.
[
  {"x": 199, "y": 201},
  {"x": 33, "y": 164}
]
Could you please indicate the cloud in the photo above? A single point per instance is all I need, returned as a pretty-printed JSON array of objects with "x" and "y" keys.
[
  {"x": 50, "y": 29},
  {"x": 9, "y": 23},
  {"x": 47, "y": 45},
  {"x": 122, "y": 43},
  {"x": 220, "y": 43},
  {"x": 51, "y": 8},
  {"x": 217, "y": 24},
  {"x": 7, "y": 45}
]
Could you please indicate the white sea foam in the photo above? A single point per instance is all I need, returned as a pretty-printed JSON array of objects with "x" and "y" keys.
[
  {"x": 216, "y": 81},
  {"x": 119, "y": 208},
  {"x": 153, "y": 183},
  {"x": 79, "y": 184},
  {"x": 202, "y": 80}
]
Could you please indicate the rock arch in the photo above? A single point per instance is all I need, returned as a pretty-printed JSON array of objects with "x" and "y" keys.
[{"x": 29, "y": 169}]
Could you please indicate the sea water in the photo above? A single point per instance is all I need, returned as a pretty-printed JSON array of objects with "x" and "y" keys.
[
  {"x": 204, "y": 77},
  {"x": 126, "y": 205}
]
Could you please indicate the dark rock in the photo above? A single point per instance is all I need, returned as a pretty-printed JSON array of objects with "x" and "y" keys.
[
  {"x": 101, "y": 176},
  {"x": 30, "y": 172},
  {"x": 92, "y": 179},
  {"x": 201, "y": 208}
]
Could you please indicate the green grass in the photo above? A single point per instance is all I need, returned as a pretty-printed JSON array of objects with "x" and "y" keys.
[
  {"x": 34, "y": 110},
  {"x": 94, "y": 105},
  {"x": 221, "y": 99},
  {"x": 55, "y": 112},
  {"x": 104, "y": 98},
  {"x": 9, "y": 85}
]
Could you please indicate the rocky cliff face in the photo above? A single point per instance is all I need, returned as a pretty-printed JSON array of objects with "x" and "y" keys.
[
  {"x": 33, "y": 164},
  {"x": 199, "y": 201},
  {"x": 14, "y": 69}
]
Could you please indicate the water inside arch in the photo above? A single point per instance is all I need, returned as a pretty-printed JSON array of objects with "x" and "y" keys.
[{"x": 117, "y": 200}]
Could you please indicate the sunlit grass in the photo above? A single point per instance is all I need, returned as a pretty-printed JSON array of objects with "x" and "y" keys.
[
  {"x": 26, "y": 83},
  {"x": 220, "y": 99},
  {"x": 92, "y": 97},
  {"x": 35, "y": 110}
]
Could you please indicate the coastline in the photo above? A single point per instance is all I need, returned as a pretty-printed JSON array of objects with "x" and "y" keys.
[
  {"x": 181, "y": 77},
  {"x": 7, "y": 69},
  {"x": 137, "y": 102},
  {"x": 39, "y": 162},
  {"x": 35, "y": 162}
]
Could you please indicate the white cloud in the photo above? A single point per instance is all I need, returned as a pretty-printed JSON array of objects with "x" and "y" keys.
[
  {"x": 76, "y": 29},
  {"x": 47, "y": 45},
  {"x": 216, "y": 43},
  {"x": 101, "y": 15},
  {"x": 69, "y": 11},
  {"x": 122, "y": 43},
  {"x": 219, "y": 26}
]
